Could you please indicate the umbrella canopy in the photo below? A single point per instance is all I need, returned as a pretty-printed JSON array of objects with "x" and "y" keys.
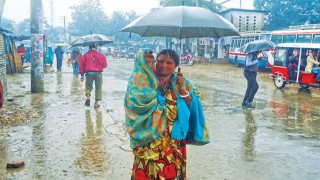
[
  {"x": 61, "y": 44},
  {"x": 258, "y": 45},
  {"x": 92, "y": 39},
  {"x": 182, "y": 22}
]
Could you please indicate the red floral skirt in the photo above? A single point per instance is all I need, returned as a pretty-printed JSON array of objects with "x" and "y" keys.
[{"x": 168, "y": 165}]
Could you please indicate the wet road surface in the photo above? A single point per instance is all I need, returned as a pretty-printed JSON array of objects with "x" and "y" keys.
[{"x": 280, "y": 139}]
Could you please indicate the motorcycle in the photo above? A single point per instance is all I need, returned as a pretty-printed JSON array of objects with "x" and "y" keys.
[
  {"x": 187, "y": 60},
  {"x": 130, "y": 56}
]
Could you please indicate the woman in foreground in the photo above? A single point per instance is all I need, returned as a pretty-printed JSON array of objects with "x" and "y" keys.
[{"x": 163, "y": 114}]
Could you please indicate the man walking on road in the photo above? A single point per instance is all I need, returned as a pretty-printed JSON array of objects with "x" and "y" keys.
[
  {"x": 92, "y": 64},
  {"x": 250, "y": 73}
]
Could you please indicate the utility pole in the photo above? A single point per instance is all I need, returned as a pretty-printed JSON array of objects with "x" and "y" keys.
[
  {"x": 52, "y": 15},
  {"x": 36, "y": 15},
  {"x": 64, "y": 29}
]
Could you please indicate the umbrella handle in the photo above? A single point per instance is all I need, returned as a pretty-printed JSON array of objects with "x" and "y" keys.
[{"x": 177, "y": 79}]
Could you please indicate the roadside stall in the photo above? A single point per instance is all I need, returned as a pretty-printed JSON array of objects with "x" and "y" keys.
[
  {"x": 12, "y": 57},
  {"x": 10, "y": 60},
  {"x": 3, "y": 79}
]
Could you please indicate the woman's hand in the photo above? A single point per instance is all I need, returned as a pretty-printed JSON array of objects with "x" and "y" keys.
[{"x": 180, "y": 83}]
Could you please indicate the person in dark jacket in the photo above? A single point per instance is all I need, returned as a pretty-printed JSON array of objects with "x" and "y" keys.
[
  {"x": 250, "y": 73},
  {"x": 59, "y": 56}
]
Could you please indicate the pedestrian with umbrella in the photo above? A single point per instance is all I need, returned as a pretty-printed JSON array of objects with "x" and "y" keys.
[
  {"x": 92, "y": 64},
  {"x": 161, "y": 124},
  {"x": 253, "y": 49}
]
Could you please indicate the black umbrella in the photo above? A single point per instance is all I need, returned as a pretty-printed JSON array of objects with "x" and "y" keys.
[
  {"x": 182, "y": 22},
  {"x": 92, "y": 39},
  {"x": 258, "y": 45}
]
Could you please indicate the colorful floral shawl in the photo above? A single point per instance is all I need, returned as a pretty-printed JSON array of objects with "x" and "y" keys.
[{"x": 146, "y": 115}]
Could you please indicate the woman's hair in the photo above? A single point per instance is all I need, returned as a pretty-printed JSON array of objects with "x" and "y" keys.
[{"x": 172, "y": 54}]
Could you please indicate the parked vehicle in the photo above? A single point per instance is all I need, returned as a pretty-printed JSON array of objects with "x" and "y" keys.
[
  {"x": 297, "y": 35},
  {"x": 283, "y": 74},
  {"x": 131, "y": 54},
  {"x": 116, "y": 53},
  {"x": 123, "y": 52},
  {"x": 187, "y": 59}
]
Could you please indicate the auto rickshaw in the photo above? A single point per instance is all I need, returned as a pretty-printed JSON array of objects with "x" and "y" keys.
[
  {"x": 283, "y": 72},
  {"x": 131, "y": 54},
  {"x": 116, "y": 53}
]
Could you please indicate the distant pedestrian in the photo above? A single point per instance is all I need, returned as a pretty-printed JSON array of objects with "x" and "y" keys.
[
  {"x": 92, "y": 64},
  {"x": 59, "y": 56},
  {"x": 22, "y": 51},
  {"x": 250, "y": 73},
  {"x": 75, "y": 57},
  {"x": 49, "y": 55}
]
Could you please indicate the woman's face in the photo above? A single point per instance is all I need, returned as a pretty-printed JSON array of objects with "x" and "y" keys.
[{"x": 165, "y": 65}]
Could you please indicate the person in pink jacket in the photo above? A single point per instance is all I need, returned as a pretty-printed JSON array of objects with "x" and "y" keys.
[{"x": 92, "y": 64}]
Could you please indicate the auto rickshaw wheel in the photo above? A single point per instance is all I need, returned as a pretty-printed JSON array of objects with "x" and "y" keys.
[
  {"x": 304, "y": 86},
  {"x": 279, "y": 82}
]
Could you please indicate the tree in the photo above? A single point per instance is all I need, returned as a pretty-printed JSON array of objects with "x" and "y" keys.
[
  {"x": 88, "y": 17},
  {"x": 284, "y": 13},
  {"x": 119, "y": 20},
  {"x": 7, "y": 24},
  {"x": 23, "y": 27}
]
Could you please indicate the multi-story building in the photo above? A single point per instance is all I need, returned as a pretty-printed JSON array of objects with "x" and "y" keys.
[{"x": 245, "y": 19}]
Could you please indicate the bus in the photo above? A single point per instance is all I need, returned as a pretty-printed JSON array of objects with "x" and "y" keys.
[
  {"x": 237, "y": 57},
  {"x": 296, "y": 36}
]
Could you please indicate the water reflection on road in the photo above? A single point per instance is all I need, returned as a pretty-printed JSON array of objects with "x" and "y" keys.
[
  {"x": 248, "y": 137},
  {"x": 94, "y": 158}
]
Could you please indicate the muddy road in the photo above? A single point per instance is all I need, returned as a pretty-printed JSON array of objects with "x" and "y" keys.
[{"x": 280, "y": 139}]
